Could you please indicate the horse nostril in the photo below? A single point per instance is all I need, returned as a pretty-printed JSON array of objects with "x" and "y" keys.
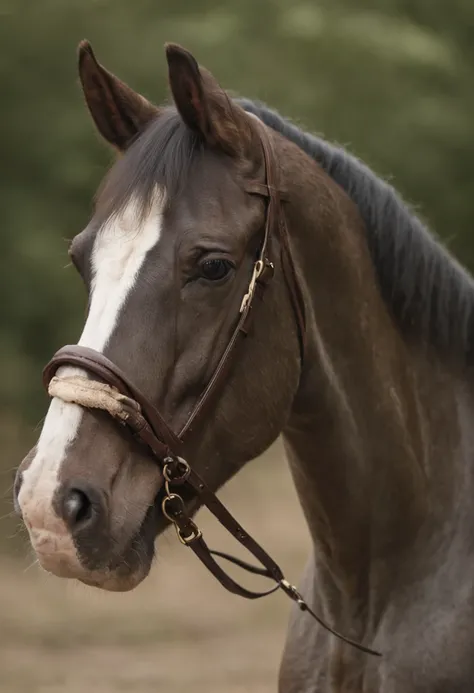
[
  {"x": 81, "y": 505},
  {"x": 77, "y": 508}
]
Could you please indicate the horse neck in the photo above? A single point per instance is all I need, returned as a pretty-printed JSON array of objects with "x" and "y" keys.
[{"x": 363, "y": 421}]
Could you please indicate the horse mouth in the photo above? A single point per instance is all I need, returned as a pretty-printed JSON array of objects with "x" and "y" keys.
[
  {"x": 118, "y": 580},
  {"x": 132, "y": 566}
]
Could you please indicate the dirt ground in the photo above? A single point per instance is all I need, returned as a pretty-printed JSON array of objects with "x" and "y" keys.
[{"x": 179, "y": 631}]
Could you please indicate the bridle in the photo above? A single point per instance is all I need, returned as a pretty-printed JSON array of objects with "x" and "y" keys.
[{"x": 114, "y": 393}]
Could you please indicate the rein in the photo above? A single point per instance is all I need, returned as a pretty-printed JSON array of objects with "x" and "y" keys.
[{"x": 115, "y": 393}]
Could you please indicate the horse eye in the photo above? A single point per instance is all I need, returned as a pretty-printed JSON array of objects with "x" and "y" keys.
[{"x": 213, "y": 270}]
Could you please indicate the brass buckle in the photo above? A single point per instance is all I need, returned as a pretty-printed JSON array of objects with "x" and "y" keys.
[
  {"x": 257, "y": 271},
  {"x": 195, "y": 534}
]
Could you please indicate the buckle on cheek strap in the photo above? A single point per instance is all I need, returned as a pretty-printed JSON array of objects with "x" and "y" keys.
[{"x": 262, "y": 273}]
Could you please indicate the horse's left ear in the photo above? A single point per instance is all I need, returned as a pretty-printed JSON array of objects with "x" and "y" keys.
[
  {"x": 203, "y": 105},
  {"x": 118, "y": 112}
]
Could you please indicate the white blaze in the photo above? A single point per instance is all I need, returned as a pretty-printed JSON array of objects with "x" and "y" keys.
[{"x": 118, "y": 254}]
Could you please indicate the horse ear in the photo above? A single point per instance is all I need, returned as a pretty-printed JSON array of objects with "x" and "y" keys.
[
  {"x": 118, "y": 112},
  {"x": 203, "y": 105}
]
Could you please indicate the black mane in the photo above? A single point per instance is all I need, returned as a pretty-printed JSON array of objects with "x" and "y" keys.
[{"x": 428, "y": 291}]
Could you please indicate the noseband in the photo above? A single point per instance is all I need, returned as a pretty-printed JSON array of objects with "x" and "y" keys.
[{"x": 115, "y": 393}]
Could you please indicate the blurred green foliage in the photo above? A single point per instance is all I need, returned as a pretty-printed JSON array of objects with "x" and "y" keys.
[{"x": 390, "y": 79}]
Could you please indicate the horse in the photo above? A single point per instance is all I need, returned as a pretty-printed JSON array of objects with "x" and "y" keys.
[{"x": 358, "y": 354}]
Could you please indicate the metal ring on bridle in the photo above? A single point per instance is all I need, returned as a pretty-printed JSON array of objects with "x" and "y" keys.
[
  {"x": 167, "y": 499},
  {"x": 171, "y": 478}
]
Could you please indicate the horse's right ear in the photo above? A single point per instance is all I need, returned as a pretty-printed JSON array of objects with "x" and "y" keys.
[{"x": 118, "y": 112}]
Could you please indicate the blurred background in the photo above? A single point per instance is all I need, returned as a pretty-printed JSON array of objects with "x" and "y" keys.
[{"x": 392, "y": 80}]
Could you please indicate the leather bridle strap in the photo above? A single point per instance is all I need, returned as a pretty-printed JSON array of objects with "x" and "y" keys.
[{"x": 133, "y": 409}]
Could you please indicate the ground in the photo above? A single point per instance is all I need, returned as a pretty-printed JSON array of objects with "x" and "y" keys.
[{"x": 179, "y": 631}]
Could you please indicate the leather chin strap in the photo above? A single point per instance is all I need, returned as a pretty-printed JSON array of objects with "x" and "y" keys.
[{"x": 130, "y": 407}]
